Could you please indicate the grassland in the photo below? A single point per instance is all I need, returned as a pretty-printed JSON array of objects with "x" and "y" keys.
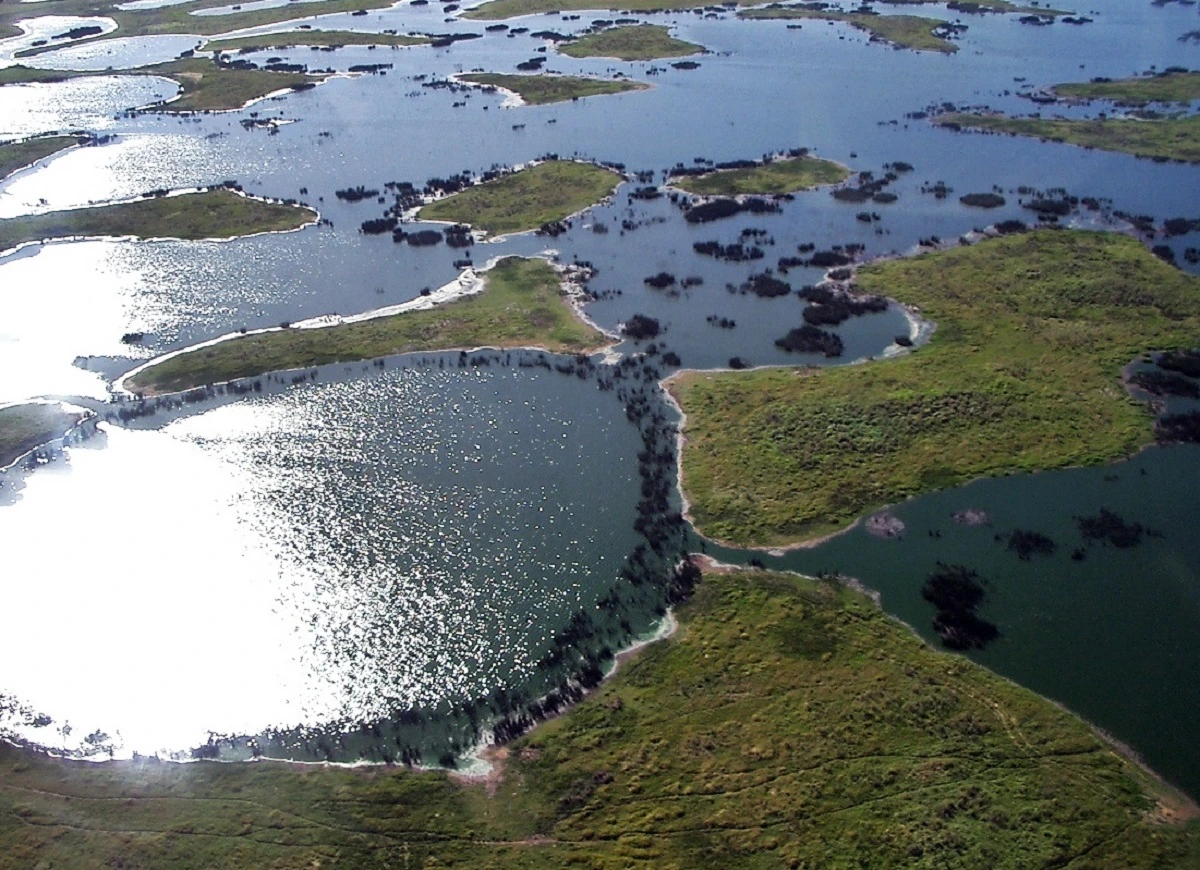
[
  {"x": 1166, "y": 139},
  {"x": 495, "y": 10},
  {"x": 1022, "y": 374},
  {"x": 521, "y": 306},
  {"x": 204, "y": 85},
  {"x": 640, "y": 42},
  {"x": 538, "y": 90},
  {"x": 213, "y": 214},
  {"x": 905, "y": 31},
  {"x": 527, "y": 199},
  {"x": 1175, "y": 87},
  {"x": 320, "y": 38},
  {"x": 787, "y": 723},
  {"x": 779, "y": 176},
  {"x": 24, "y": 427},
  {"x": 17, "y": 155}
]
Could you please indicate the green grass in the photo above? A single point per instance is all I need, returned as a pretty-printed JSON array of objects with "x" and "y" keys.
[
  {"x": 322, "y": 38},
  {"x": 213, "y": 214},
  {"x": 24, "y": 427},
  {"x": 1168, "y": 139},
  {"x": 905, "y": 31},
  {"x": 521, "y": 306},
  {"x": 527, "y": 199},
  {"x": 1171, "y": 88},
  {"x": 498, "y": 9},
  {"x": 204, "y": 85},
  {"x": 641, "y": 42},
  {"x": 1022, "y": 374},
  {"x": 778, "y": 176},
  {"x": 18, "y": 155},
  {"x": 787, "y": 723},
  {"x": 538, "y": 90}
]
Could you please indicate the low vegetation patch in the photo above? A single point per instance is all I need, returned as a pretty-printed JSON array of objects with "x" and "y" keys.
[
  {"x": 24, "y": 427},
  {"x": 1022, "y": 374},
  {"x": 538, "y": 90},
  {"x": 774, "y": 177},
  {"x": 18, "y": 155},
  {"x": 641, "y": 42},
  {"x": 527, "y": 199},
  {"x": 522, "y": 305},
  {"x": 904, "y": 31},
  {"x": 1168, "y": 87},
  {"x": 788, "y": 723},
  {"x": 498, "y": 9},
  {"x": 320, "y": 38},
  {"x": 212, "y": 214},
  {"x": 1164, "y": 139}
]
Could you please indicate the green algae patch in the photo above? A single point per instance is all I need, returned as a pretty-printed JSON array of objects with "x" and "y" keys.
[
  {"x": 641, "y": 42},
  {"x": 1162, "y": 139},
  {"x": 319, "y": 38},
  {"x": 788, "y": 175},
  {"x": 538, "y": 90},
  {"x": 210, "y": 214},
  {"x": 205, "y": 86},
  {"x": 1022, "y": 374},
  {"x": 24, "y": 427},
  {"x": 1171, "y": 87},
  {"x": 787, "y": 722},
  {"x": 18, "y": 155},
  {"x": 526, "y": 199},
  {"x": 904, "y": 31},
  {"x": 521, "y": 305}
]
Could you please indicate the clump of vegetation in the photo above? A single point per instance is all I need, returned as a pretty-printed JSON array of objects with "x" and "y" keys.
[
  {"x": 904, "y": 31},
  {"x": 1165, "y": 383},
  {"x": 1022, "y": 374},
  {"x": 1173, "y": 85},
  {"x": 1185, "y": 362},
  {"x": 957, "y": 591},
  {"x": 1027, "y": 544},
  {"x": 320, "y": 38},
  {"x": 525, "y": 200},
  {"x": 811, "y": 339},
  {"x": 983, "y": 200},
  {"x": 766, "y": 286},
  {"x": 639, "y": 42},
  {"x": 1108, "y": 527},
  {"x": 520, "y": 306},
  {"x": 1179, "y": 428},
  {"x": 219, "y": 213},
  {"x": 538, "y": 90},
  {"x": 786, "y": 175},
  {"x": 640, "y": 326},
  {"x": 718, "y": 209}
]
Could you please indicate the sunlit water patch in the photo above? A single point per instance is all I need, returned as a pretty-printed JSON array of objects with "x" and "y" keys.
[
  {"x": 332, "y": 551},
  {"x": 121, "y": 53}
]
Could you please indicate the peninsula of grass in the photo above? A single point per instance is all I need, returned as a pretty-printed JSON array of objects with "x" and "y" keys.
[
  {"x": 1022, "y": 374},
  {"x": 18, "y": 155},
  {"x": 1172, "y": 87},
  {"x": 24, "y": 427},
  {"x": 538, "y": 90},
  {"x": 986, "y": 6},
  {"x": 319, "y": 38},
  {"x": 205, "y": 86},
  {"x": 904, "y": 31},
  {"x": 210, "y": 214},
  {"x": 1165, "y": 139},
  {"x": 522, "y": 305},
  {"x": 639, "y": 42},
  {"x": 787, "y": 723},
  {"x": 788, "y": 175},
  {"x": 527, "y": 199}
]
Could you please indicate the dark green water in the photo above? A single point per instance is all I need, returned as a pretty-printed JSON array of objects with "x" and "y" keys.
[{"x": 1113, "y": 637}]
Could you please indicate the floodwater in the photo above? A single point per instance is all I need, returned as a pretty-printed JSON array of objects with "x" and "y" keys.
[{"x": 263, "y": 496}]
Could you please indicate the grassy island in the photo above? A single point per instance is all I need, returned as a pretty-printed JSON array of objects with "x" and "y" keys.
[
  {"x": 640, "y": 42},
  {"x": 1173, "y": 87},
  {"x": 777, "y": 176},
  {"x": 18, "y": 155},
  {"x": 24, "y": 427},
  {"x": 319, "y": 38},
  {"x": 905, "y": 31},
  {"x": 527, "y": 199},
  {"x": 211, "y": 214},
  {"x": 1167, "y": 139},
  {"x": 1022, "y": 374},
  {"x": 538, "y": 90},
  {"x": 787, "y": 723},
  {"x": 522, "y": 305},
  {"x": 204, "y": 86}
]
